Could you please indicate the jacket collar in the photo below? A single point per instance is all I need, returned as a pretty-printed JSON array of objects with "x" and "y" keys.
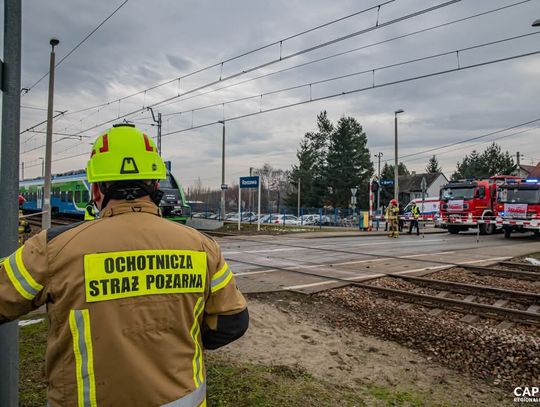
[{"x": 137, "y": 205}]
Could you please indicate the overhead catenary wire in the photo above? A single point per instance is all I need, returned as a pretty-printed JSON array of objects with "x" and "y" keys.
[
  {"x": 357, "y": 73},
  {"x": 344, "y": 53},
  {"x": 230, "y": 59},
  {"x": 252, "y": 69},
  {"x": 26, "y": 90},
  {"x": 371, "y": 70},
  {"x": 373, "y": 86}
]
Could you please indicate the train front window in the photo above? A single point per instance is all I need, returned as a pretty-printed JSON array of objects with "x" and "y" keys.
[
  {"x": 77, "y": 196},
  {"x": 167, "y": 183},
  {"x": 85, "y": 196}
]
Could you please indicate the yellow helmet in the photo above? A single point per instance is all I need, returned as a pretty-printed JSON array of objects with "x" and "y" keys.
[{"x": 124, "y": 153}]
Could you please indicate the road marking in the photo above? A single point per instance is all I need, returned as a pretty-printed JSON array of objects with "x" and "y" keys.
[
  {"x": 311, "y": 266},
  {"x": 296, "y": 287}
]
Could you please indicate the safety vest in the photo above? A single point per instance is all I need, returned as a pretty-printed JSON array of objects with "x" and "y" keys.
[
  {"x": 127, "y": 296},
  {"x": 393, "y": 212},
  {"x": 415, "y": 212}
]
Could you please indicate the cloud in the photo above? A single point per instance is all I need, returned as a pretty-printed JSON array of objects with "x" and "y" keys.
[{"x": 143, "y": 45}]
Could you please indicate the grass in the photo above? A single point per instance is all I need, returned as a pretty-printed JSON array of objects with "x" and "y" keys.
[
  {"x": 32, "y": 386},
  {"x": 230, "y": 383}
]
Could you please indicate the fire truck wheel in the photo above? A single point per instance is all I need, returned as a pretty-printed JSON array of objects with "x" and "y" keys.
[
  {"x": 453, "y": 230},
  {"x": 537, "y": 233},
  {"x": 487, "y": 229}
]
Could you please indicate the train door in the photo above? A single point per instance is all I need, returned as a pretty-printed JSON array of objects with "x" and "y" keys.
[{"x": 39, "y": 197}]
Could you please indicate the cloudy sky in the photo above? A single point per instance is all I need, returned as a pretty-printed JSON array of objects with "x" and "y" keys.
[{"x": 148, "y": 43}]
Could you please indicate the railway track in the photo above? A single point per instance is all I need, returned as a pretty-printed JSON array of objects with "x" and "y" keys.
[
  {"x": 498, "y": 310},
  {"x": 469, "y": 305},
  {"x": 503, "y": 272},
  {"x": 36, "y": 221}
]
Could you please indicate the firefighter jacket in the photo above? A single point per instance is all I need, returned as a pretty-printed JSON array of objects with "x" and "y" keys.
[
  {"x": 415, "y": 212},
  {"x": 393, "y": 212},
  {"x": 132, "y": 299}
]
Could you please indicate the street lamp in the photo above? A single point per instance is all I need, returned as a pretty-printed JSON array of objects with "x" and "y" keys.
[
  {"x": 46, "y": 219},
  {"x": 222, "y": 206},
  {"x": 396, "y": 173},
  {"x": 536, "y": 23}
]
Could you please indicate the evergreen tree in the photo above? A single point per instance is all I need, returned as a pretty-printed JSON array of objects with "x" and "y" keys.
[
  {"x": 311, "y": 165},
  {"x": 348, "y": 164},
  {"x": 433, "y": 166},
  {"x": 491, "y": 162}
]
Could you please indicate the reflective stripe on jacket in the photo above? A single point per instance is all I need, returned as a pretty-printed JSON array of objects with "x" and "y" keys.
[{"x": 129, "y": 297}]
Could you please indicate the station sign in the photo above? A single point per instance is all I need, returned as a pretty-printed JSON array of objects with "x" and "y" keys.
[
  {"x": 249, "y": 182},
  {"x": 387, "y": 182},
  {"x": 224, "y": 187}
]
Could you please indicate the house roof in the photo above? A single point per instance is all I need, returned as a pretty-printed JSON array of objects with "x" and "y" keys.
[
  {"x": 527, "y": 168},
  {"x": 535, "y": 172},
  {"x": 409, "y": 183}
]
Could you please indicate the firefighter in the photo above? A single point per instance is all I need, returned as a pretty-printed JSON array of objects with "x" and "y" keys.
[
  {"x": 24, "y": 227},
  {"x": 393, "y": 213},
  {"x": 133, "y": 299},
  {"x": 415, "y": 212}
]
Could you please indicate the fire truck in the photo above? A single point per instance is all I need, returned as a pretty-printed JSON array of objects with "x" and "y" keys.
[
  {"x": 471, "y": 203},
  {"x": 518, "y": 206}
]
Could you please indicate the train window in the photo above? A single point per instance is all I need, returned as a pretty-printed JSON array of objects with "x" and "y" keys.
[
  {"x": 70, "y": 196},
  {"x": 77, "y": 196},
  {"x": 63, "y": 196},
  {"x": 168, "y": 183},
  {"x": 56, "y": 192},
  {"x": 85, "y": 196}
]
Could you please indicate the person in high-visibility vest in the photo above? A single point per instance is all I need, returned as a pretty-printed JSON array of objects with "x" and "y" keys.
[
  {"x": 133, "y": 299},
  {"x": 386, "y": 216},
  {"x": 415, "y": 212},
  {"x": 393, "y": 213}
]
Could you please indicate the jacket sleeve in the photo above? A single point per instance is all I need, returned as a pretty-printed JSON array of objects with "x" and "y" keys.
[
  {"x": 23, "y": 279},
  {"x": 226, "y": 316}
]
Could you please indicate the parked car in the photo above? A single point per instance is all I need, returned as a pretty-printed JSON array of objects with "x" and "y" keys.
[{"x": 286, "y": 220}]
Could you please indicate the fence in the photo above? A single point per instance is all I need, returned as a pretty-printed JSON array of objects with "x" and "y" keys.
[{"x": 335, "y": 217}]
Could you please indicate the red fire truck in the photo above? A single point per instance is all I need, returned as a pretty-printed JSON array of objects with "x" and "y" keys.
[
  {"x": 471, "y": 203},
  {"x": 518, "y": 206}
]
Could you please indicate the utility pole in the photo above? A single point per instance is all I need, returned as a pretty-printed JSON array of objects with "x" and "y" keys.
[
  {"x": 222, "y": 206},
  {"x": 396, "y": 173},
  {"x": 158, "y": 121},
  {"x": 9, "y": 185},
  {"x": 518, "y": 156},
  {"x": 22, "y": 170},
  {"x": 46, "y": 217},
  {"x": 379, "y": 155},
  {"x": 250, "y": 193},
  {"x": 299, "y": 189}
]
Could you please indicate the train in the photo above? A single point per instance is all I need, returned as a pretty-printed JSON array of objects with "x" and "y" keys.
[{"x": 70, "y": 194}]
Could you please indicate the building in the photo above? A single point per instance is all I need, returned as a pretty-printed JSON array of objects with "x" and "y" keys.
[
  {"x": 525, "y": 170},
  {"x": 409, "y": 186},
  {"x": 535, "y": 173}
]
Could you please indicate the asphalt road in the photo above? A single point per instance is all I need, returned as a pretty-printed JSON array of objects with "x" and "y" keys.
[{"x": 308, "y": 264}]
